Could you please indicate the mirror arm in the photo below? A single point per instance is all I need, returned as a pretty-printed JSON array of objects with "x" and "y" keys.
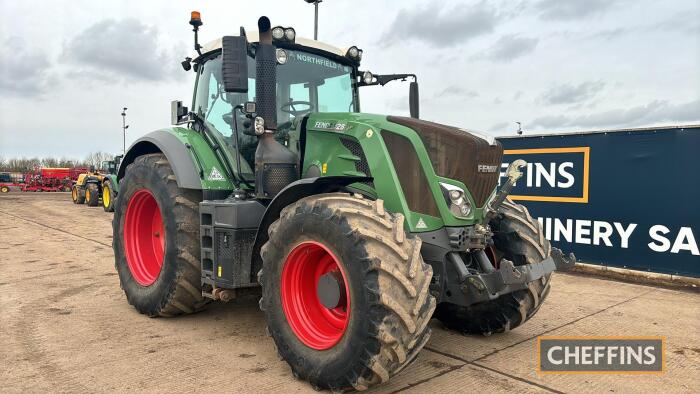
[{"x": 384, "y": 79}]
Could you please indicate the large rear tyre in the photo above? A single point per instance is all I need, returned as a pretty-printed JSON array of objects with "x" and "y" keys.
[
  {"x": 92, "y": 194},
  {"x": 519, "y": 238},
  {"x": 345, "y": 291},
  {"x": 78, "y": 195},
  {"x": 107, "y": 197},
  {"x": 156, "y": 246}
]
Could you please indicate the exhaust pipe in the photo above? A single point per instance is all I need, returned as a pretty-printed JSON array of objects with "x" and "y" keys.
[
  {"x": 275, "y": 165},
  {"x": 266, "y": 76}
]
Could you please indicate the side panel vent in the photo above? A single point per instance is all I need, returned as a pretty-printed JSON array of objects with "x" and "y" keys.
[{"x": 360, "y": 166}]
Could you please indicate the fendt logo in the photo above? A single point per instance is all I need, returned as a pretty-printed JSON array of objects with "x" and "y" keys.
[{"x": 552, "y": 174}]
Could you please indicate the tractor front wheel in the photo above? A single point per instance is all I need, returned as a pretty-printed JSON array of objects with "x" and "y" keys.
[
  {"x": 92, "y": 194},
  {"x": 107, "y": 197},
  {"x": 4, "y": 189},
  {"x": 156, "y": 243},
  {"x": 78, "y": 195},
  {"x": 345, "y": 291}
]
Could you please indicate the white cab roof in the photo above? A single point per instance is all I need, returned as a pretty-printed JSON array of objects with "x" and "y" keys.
[{"x": 254, "y": 37}]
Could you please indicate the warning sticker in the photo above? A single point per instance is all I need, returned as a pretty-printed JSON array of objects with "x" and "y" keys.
[{"x": 215, "y": 175}]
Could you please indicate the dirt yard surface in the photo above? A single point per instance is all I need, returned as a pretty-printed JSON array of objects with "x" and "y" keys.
[{"x": 65, "y": 326}]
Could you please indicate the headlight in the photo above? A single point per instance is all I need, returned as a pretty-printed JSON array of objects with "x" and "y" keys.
[
  {"x": 354, "y": 53},
  {"x": 278, "y": 33},
  {"x": 290, "y": 34},
  {"x": 259, "y": 125},
  {"x": 281, "y": 55},
  {"x": 367, "y": 77},
  {"x": 456, "y": 199}
]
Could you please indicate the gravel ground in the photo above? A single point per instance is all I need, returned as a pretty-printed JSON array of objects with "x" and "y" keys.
[{"x": 65, "y": 326}]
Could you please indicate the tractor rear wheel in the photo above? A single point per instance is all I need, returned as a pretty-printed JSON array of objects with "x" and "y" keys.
[
  {"x": 156, "y": 240},
  {"x": 519, "y": 238},
  {"x": 92, "y": 194},
  {"x": 345, "y": 291},
  {"x": 78, "y": 195},
  {"x": 107, "y": 197}
]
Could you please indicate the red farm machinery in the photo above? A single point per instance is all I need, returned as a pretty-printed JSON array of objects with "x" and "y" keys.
[{"x": 41, "y": 180}]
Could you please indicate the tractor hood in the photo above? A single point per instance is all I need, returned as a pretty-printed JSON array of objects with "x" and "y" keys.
[
  {"x": 469, "y": 157},
  {"x": 423, "y": 156}
]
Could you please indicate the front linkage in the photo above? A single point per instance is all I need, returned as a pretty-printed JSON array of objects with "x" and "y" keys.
[
  {"x": 484, "y": 282},
  {"x": 510, "y": 278}
]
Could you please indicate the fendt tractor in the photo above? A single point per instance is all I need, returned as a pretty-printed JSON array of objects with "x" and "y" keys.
[
  {"x": 97, "y": 186},
  {"x": 356, "y": 229}
]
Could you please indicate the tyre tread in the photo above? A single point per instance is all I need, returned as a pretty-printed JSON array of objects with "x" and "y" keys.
[{"x": 402, "y": 280}]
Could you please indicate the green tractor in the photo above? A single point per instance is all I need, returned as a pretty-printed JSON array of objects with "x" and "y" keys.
[
  {"x": 110, "y": 186},
  {"x": 357, "y": 229}
]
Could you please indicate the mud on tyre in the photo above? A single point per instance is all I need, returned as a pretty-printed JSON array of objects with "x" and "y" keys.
[
  {"x": 383, "y": 283},
  {"x": 519, "y": 238},
  {"x": 155, "y": 240}
]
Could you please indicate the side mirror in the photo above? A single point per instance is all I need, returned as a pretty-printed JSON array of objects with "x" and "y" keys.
[
  {"x": 234, "y": 64},
  {"x": 413, "y": 99},
  {"x": 177, "y": 112}
]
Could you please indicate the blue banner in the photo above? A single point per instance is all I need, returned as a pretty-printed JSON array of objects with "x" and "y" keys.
[{"x": 628, "y": 198}]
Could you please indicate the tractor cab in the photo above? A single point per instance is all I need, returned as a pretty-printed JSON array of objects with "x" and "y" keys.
[
  {"x": 304, "y": 77},
  {"x": 111, "y": 166},
  {"x": 311, "y": 77}
]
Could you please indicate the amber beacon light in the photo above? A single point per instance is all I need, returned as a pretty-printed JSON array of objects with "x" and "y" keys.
[{"x": 195, "y": 18}]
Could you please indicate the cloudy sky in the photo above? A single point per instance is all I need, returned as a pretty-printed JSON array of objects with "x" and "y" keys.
[{"x": 68, "y": 67}]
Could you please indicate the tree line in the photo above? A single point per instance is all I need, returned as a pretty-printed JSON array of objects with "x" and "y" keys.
[{"x": 24, "y": 164}]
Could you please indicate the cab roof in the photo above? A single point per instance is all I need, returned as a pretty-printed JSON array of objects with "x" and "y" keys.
[{"x": 254, "y": 37}]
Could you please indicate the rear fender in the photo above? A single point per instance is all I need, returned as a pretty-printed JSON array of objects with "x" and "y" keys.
[{"x": 190, "y": 157}]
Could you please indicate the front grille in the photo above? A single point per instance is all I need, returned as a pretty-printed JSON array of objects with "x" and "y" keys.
[
  {"x": 414, "y": 183},
  {"x": 456, "y": 154},
  {"x": 356, "y": 150}
]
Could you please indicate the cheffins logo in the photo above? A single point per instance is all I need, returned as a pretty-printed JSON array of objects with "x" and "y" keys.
[
  {"x": 589, "y": 355},
  {"x": 551, "y": 174}
]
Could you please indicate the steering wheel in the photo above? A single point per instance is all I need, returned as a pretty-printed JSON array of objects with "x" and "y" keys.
[{"x": 290, "y": 107}]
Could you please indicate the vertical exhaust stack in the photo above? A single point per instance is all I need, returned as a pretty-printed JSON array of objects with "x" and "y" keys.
[
  {"x": 275, "y": 165},
  {"x": 266, "y": 76}
]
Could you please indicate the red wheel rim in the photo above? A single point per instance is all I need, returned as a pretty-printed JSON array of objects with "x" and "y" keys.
[
  {"x": 317, "y": 326},
  {"x": 144, "y": 237}
]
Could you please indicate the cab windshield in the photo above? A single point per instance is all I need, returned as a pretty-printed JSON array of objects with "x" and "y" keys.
[{"x": 306, "y": 83}]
